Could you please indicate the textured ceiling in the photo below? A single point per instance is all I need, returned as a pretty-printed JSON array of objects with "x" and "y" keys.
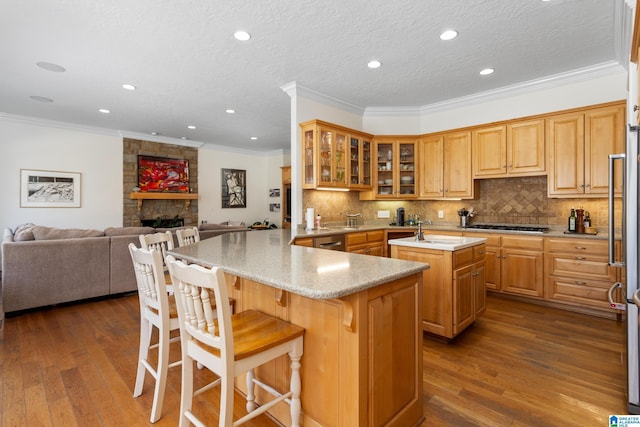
[{"x": 188, "y": 68}]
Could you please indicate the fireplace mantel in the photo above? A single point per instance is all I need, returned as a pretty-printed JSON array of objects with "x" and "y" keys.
[{"x": 142, "y": 196}]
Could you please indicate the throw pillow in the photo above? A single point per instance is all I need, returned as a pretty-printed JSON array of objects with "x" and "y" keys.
[{"x": 24, "y": 232}]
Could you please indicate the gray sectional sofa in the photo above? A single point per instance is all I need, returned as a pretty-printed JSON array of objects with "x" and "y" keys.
[{"x": 43, "y": 266}]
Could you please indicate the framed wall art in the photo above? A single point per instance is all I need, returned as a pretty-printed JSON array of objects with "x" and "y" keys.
[
  {"x": 234, "y": 188},
  {"x": 157, "y": 174},
  {"x": 49, "y": 189}
]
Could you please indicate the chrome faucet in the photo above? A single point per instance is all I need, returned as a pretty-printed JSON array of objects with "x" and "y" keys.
[{"x": 419, "y": 233}]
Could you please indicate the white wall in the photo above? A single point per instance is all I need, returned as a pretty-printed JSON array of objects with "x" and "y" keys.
[
  {"x": 98, "y": 157},
  {"x": 263, "y": 173},
  {"x": 492, "y": 108},
  {"x": 29, "y": 144}
]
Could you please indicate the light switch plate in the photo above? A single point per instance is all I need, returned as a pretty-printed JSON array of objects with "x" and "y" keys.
[
  {"x": 384, "y": 214},
  {"x": 440, "y": 214}
]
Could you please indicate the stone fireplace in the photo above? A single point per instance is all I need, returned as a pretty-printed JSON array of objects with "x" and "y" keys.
[{"x": 157, "y": 210}]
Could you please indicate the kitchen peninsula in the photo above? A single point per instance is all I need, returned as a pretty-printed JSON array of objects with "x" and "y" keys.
[{"x": 362, "y": 362}]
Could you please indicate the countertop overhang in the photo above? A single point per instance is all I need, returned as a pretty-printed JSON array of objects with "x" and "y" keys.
[{"x": 267, "y": 257}]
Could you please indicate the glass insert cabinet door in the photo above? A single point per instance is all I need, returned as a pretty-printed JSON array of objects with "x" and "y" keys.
[
  {"x": 359, "y": 163},
  {"x": 406, "y": 168},
  {"x": 385, "y": 168},
  {"x": 309, "y": 158}
]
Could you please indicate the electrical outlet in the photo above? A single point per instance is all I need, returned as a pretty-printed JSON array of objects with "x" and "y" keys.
[
  {"x": 440, "y": 214},
  {"x": 384, "y": 214}
]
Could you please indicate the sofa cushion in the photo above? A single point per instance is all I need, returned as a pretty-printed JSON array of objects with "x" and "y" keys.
[
  {"x": 127, "y": 231},
  {"x": 49, "y": 233},
  {"x": 24, "y": 232}
]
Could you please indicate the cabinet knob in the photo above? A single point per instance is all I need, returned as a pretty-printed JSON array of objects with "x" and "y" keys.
[
  {"x": 580, "y": 258},
  {"x": 581, "y": 248}
]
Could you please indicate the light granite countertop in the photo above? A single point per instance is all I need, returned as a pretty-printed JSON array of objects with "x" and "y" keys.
[
  {"x": 434, "y": 228},
  {"x": 268, "y": 258}
]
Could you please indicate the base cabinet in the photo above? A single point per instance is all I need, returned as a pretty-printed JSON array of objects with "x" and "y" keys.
[
  {"x": 578, "y": 273},
  {"x": 366, "y": 243},
  {"x": 454, "y": 293},
  {"x": 362, "y": 362},
  {"x": 514, "y": 264}
]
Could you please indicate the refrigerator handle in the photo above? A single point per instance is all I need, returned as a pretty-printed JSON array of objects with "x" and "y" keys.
[
  {"x": 612, "y": 302},
  {"x": 612, "y": 220}
]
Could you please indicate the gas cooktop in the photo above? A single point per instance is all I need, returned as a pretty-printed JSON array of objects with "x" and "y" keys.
[{"x": 527, "y": 228}]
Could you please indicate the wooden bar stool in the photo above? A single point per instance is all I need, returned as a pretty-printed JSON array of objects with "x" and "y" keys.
[
  {"x": 157, "y": 309},
  {"x": 230, "y": 345},
  {"x": 161, "y": 242},
  {"x": 187, "y": 236}
]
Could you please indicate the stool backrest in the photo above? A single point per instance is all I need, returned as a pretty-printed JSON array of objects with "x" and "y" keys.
[
  {"x": 187, "y": 236},
  {"x": 199, "y": 320}
]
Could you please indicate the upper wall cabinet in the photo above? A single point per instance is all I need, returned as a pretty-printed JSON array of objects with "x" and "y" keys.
[
  {"x": 578, "y": 147},
  {"x": 360, "y": 154},
  {"x": 445, "y": 166},
  {"x": 514, "y": 149},
  {"x": 396, "y": 168},
  {"x": 334, "y": 157}
]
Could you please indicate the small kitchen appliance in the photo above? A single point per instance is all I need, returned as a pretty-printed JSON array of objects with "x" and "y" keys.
[{"x": 400, "y": 216}]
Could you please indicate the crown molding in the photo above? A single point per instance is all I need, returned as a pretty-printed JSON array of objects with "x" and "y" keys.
[
  {"x": 582, "y": 74},
  {"x": 293, "y": 89}
]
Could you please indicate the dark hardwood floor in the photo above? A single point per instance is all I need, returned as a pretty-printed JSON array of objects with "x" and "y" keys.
[{"x": 519, "y": 365}]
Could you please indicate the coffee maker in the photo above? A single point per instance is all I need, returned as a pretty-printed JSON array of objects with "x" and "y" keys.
[{"x": 400, "y": 217}]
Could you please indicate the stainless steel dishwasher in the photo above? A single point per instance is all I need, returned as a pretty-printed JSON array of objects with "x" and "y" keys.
[{"x": 334, "y": 242}]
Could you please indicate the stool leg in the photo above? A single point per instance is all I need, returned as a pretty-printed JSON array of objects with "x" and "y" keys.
[
  {"x": 143, "y": 353},
  {"x": 296, "y": 385},
  {"x": 251, "y": 404}
]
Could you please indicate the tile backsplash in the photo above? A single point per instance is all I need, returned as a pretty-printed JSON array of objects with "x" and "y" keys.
[{"x": 505, "y": 200}]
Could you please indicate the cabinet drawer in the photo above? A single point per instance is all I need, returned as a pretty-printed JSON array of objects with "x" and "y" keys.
[
  {"x": 578, "y": 246},
  {"x": 580, "y": 267},
  {"x": 521, "y": 242},
  {"x": 589, "y": 293},
  {"x": 356, "y": 239},
  {"x": 375, "y": 236},
  {"x": 462, "y": 257},
  {"x": 479, "y": 253}
]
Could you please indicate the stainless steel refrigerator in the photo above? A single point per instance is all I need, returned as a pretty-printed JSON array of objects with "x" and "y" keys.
[{"x": 628, "y": 260}]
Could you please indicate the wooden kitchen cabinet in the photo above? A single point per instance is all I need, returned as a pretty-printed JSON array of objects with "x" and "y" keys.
[
  {"x": 327, "y": 152},
  {"x": 454, "y": 293},
  {"x": 514, "y": 263},
  {"x": 360, "y": 155},
  {"x": 445, "y": 165},
  {"x": 366, "y": 242},
  {"x": 512, "y": 149},
  {"x": 578, "y": 147},
  {"x": 396, "y": 169},
  {"x": 578, "y": 273}
]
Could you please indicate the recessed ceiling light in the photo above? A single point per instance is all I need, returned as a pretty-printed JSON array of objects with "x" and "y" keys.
[
  {"x": 104, "y": 111},
  {"x": 128, "y": 86},
  {"x": 374, "y": 64},
  {"x": 448, "y": 35},
  {"x": 487, "y": 71},
  {"x": 51, "y": 67},
  {"x": 230, "y": 110},
  {"x": 41, "y": 98},
  {"x": 254, "y": 138},
  {"x": 191, "y": 127},
  {"x": 243, "y": 36}
]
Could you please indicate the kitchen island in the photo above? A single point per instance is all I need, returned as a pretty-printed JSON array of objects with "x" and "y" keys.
[
  {"x": 362, "y": 363},
  {"x": 454, "y": 287}
]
